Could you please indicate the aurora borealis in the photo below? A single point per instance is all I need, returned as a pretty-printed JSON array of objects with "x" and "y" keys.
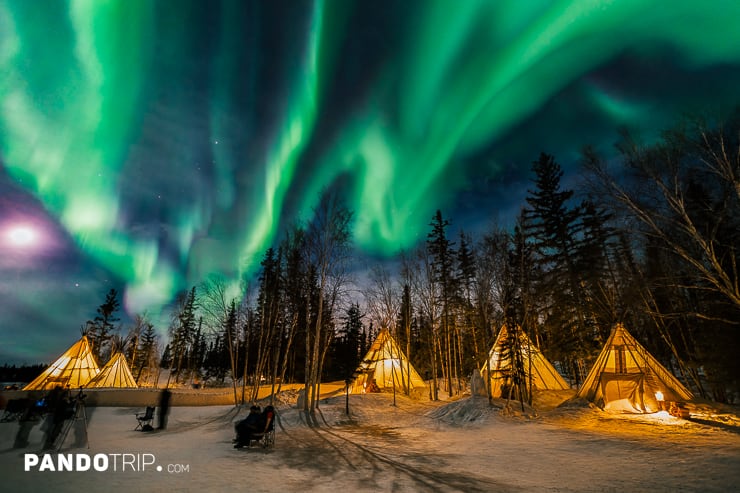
[{"x": 158, "y": 142}]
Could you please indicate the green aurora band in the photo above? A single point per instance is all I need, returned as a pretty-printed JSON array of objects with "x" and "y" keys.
[{"x": 93, "y": 91}]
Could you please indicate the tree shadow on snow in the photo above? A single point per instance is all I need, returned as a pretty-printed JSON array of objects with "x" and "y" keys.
[{"x": 716, "y": 424}]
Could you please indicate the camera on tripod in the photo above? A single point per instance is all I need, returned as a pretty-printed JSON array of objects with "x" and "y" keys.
[{"x": 74, "y": 410}]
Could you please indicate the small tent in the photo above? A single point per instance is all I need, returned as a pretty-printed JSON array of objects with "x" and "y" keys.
[
  {"x": 625, "y": 377},
  {"x": 539, "y": 371},
  {"x": 384, "y": 367},
  {"x": 115, "y": 373},
  {"x": 75, "y": 368}
]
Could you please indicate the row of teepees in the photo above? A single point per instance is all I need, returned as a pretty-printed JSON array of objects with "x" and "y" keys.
[
  {"x": 76, "y": 368},
  {"x": 625, "y": 376}
]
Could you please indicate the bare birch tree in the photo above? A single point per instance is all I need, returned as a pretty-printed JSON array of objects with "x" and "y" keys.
[
  {"x": 221, "y": 315},
  {"x": 328, "y": 238}
]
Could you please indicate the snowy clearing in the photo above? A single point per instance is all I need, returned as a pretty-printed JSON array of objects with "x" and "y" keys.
[{"x": 463, "y": 445}]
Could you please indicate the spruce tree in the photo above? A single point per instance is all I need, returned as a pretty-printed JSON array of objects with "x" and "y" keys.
[
  {"x": 182, "y": 333},
  {"x": 147, "y": 350},
  {"x": 465, "y": 275},
  {"x": 443, "y": 258},
  {"x": 102, "y": 327},
  {"x": 553, "y": 225}
]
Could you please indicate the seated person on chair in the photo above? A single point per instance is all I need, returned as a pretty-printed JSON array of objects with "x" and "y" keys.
[
  {"x": 268, "y": 415},
  {"x": 248, "y": 427}
]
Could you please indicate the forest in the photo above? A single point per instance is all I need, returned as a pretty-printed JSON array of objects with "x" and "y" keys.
[{"x": 648, "y": 238}]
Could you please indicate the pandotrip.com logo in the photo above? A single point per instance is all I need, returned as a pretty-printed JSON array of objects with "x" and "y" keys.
[{"x": 121, "y": 462}]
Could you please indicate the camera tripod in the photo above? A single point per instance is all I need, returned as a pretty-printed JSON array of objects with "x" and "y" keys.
[{"x": 79, "y": 413}]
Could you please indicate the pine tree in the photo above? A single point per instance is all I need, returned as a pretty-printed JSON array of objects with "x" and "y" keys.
[
  {"x": 347, "y": 345},
  {"x": 269, "y": 313},
  {"x": 404, "y": 324},
  {"x": 147, "y": 350},
  {"x": 166, "y": 360},
  {"x": 182, "y": 333},
  {"x": 102, "y": 327},
  {"x": 466, "y": 264},
  {"x": 443, "y": 254},
  {"x": 553, "y": 225},
  {"x": 296, "y": 301}
]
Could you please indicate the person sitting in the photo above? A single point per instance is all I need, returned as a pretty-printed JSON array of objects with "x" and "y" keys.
[
  {"x": 267, "y": 423},
  {"x": 267, "y": 419},
  {"x": 247, "y": 427}
]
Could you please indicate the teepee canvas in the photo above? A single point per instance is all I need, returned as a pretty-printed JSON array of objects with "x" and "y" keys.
[
  {"x": 115, "y": 373},
  {"x": 75, "y": 368},
  {"x": 385, "y": 367},
  {"x": 539, "y": 372},
  {"x": 625, "y": 377}
]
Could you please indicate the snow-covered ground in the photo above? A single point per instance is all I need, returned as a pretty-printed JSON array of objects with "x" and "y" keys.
[{"x": 464, "y": 445}]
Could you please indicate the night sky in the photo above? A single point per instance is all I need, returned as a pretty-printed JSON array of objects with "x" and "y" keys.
[{"x": 145, "y": 145}]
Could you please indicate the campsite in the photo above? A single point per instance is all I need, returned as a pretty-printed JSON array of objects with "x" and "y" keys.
[
  {"x": 383, "y": 432},
  {"x": 369, "y": 246},
  {"x": 414, "y": 445}
]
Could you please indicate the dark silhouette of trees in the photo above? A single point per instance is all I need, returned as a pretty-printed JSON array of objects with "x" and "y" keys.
[
  {"x": 555, "y": 229},
  {"x": 652, "y": 244},
  {"x": 442, "y": 253},
  {"x": 348, "y": 344},
  {"x": 680, "y": 198},
  {"x": 327, "y": 243},
  {"x": 101, "y": 329},
  {"x": 146, "y": 344},
  {"x": 182, "y": 333}
]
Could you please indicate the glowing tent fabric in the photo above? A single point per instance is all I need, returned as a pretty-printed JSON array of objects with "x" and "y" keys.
[
  {"x": 625, "y": 377},
  {"x": 539, "y": 371},
  {"x": 75, "y": 368},
  {"x": 115, "y": 373},
  {"x": 386, "y": 366}
]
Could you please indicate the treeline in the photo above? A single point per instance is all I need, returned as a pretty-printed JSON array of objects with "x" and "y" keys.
[
  {"x": 12, "y": 374},
  {"x": 295, "y": 326},
  {"x": 649, "y": 238},
  {"x": 653, "y": 244}
]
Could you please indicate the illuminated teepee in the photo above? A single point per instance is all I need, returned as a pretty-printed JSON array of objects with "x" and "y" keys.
[
  {"x": 625, "y": 377},
  {"x": 539, "y": 371},
  {"x": 115, "y": 373},
  {"x": 385, "y": 367},
  {"x": 73, "y": 369}
]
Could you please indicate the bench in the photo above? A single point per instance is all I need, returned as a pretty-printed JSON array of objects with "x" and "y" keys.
[{"x": 266, "y": 440}]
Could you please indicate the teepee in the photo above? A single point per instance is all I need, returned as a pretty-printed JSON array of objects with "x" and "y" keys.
[
  {"x": 625, "y": 377},
  {"x": 385, "y": 367},
  {"x": 73, "y": 369},
  {"x": 539, "y": 371},
  {"x": 115, "y": 373}
]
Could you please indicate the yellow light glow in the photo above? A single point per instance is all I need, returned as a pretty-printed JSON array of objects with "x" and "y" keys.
[{"x": 659, "y": 396}]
